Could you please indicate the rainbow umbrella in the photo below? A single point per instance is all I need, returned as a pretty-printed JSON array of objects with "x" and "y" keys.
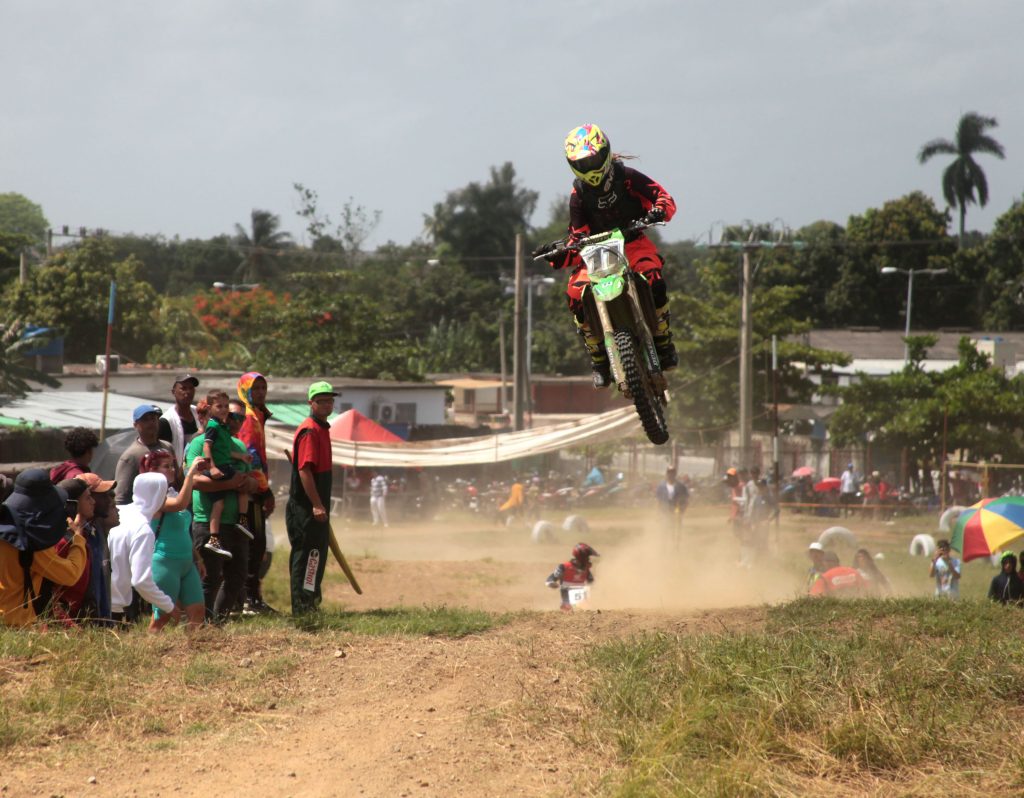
[{"x": 986, "y": 527}]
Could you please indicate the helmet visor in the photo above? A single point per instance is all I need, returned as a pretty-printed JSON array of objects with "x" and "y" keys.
[{"x": 592, "y": 169}]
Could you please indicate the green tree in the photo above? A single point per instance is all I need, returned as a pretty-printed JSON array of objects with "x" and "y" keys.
[
  {"x": 346, "y": 238},
  {"x": 997, "y": 268},
  {"x": 706, "y": 316},
  {"x": 964, "y": 181},
  {"x": 261, "y": 247},
  {"x": 906, "y": 233},
  {"x": 71, "y": 293},
  {"x": 915, "y": 410},
  {"x": 481, "y": 220},
  {"x": 18, "y": 214},
  {"x": 11, "y": 247}
]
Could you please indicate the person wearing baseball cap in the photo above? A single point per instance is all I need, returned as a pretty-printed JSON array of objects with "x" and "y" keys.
[
  {"x": 32, "y": 522},
  {"x": 104, "y": 518},
  {"x": 817, "y": 554},
  {"x": 181, "y": 424},
  {"x": 146, "y": 420},
  {"x": 309, "y": 496}
]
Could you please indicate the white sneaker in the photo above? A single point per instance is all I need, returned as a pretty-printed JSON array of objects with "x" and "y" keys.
[
  {"x": 244, "y": 530},
  {"x": 214, "y": 545}
]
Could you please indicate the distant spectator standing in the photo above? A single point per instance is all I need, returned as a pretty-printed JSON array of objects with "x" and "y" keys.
[
  {"x": 79, "y": 443},
  {"x": 848, "y": 489},
  {"x": 180, "y": 424},
  {"x": 379, "y": 499},
  {"x": 672, "y": 497},
  {"x": 146, "y": 419},
  {"x": 252, "y": 392},
  {"x": 309, "y": 497},
  {"x": 1006, "y": 586},
  {"x": 945, "y": 570},
  {"x": 875, "y": 581},
  {"x": 753, "y": 513}
]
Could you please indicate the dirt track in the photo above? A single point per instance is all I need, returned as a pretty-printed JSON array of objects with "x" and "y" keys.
[{"x": 488, "y": 714}]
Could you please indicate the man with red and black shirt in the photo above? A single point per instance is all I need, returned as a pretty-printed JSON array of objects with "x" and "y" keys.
[{"x": 309, "y": 498}]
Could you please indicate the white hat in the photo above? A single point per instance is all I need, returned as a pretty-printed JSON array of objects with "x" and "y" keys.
[{"x": 816, "y": 546}]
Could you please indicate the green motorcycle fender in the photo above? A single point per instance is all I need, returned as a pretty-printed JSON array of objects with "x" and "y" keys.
[{"x": 607, "y": 288}]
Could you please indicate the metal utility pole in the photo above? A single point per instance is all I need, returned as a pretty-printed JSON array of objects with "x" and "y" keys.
[
  {"x": 518, "y": 353},
  {"x": 775, "y": 432},
  {"x": 503, "y": 400},
  {"x": 910, "y": 298},
  {"x": 22, "y": 268},
  {"x": 746, "y": 388},
  {"x": 746, "y": 370},
  {"x": 106, "y": 360}
]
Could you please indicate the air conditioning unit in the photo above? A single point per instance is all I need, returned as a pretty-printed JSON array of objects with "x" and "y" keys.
[
  {"x": 115, "y": 361},
  {"x": 386, "y": 413}
]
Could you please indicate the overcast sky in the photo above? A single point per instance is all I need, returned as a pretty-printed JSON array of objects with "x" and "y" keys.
[{"x": 180, "y": 117}]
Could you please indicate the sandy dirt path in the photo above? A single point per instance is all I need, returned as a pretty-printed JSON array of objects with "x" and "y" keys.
[{"x": 495, "y": 713}]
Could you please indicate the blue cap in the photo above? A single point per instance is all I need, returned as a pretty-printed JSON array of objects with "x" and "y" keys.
[{"x": 142, "y": 410}]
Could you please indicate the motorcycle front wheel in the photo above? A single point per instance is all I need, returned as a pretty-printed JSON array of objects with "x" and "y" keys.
[{"x": 645, "y": 398}]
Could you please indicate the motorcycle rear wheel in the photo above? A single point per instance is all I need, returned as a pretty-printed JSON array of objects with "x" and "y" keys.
[{"x": 645, "y": 398}]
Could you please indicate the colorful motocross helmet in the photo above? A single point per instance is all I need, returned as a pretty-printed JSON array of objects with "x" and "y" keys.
[
  {"x": 589, "y": 154},
  {"x": 582, "y": 552}
]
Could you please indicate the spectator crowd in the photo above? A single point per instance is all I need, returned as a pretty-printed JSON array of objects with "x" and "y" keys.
[{"x": 180, "y": 529}]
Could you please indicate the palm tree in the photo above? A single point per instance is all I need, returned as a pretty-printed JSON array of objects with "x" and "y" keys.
[
  {"x": 15, "y": 371},
  {"x": 964, "y": 176},
  {"x": 260, "y": 246}
]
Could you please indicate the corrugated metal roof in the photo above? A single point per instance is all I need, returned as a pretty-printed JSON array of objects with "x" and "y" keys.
[{"x": 66, "y": 409}]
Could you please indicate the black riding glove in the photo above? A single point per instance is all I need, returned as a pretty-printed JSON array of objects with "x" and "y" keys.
[
  {"x": 559, "y": 259},
  {"x": 654, "y": 215}
]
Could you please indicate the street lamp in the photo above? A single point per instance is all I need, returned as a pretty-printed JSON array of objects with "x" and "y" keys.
[
  {"x": 535, "y": 284},
  {"x": 235, "y": 286},
  {"x": 910, "y": 296}
]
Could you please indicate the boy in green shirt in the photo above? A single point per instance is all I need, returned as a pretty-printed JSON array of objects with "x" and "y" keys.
[{"x": 219, "y": 450}]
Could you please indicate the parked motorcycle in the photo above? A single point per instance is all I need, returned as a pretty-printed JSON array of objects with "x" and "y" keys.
[{"x": 619, "y": 308}]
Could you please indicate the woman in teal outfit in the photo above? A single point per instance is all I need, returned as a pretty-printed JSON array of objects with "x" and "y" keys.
[{"x": 177, "y": 568}]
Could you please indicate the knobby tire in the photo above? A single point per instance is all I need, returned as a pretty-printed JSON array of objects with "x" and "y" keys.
[{"x": 645, "y": 400}]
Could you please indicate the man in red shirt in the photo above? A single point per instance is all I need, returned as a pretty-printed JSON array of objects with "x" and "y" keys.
[{"x": 306, "y": 514}]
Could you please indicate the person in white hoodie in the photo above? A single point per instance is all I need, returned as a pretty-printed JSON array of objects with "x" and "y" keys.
[{"x": 131, "y": 545}]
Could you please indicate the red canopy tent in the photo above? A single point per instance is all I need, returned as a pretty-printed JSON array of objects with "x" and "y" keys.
[{"x": 354, "y": 426}]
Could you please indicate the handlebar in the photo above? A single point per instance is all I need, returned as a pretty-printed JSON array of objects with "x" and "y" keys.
[{"x": 562, "y": 245}]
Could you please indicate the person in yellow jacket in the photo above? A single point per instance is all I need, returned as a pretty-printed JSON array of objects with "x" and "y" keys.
[
  {"x": 33, "y": 519},
  {"x": 513, "y": 505}
]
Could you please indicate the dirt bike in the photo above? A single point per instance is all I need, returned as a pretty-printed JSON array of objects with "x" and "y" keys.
[{"x": 619, "y": 308}]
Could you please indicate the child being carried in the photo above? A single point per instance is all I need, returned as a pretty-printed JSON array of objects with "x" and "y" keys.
[{"x": 217, "y": 448}]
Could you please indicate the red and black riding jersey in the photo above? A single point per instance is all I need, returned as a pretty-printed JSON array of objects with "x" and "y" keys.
[{"x": 623, "y": 198}]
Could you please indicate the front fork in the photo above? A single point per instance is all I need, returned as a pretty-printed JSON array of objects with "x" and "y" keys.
[{"x": 646, "y": 339}]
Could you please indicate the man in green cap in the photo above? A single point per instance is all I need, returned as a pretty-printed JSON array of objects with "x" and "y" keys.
[{"x": 309, "y": 497}]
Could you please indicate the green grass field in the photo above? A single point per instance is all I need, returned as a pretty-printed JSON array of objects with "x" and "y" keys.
[{"x": 894, "y": 697}]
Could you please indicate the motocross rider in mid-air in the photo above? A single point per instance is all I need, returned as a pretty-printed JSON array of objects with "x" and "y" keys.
[{"x": 607, "y": 194}]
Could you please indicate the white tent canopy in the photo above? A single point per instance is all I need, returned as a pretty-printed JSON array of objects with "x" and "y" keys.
[{"x": 472, "y": 451}]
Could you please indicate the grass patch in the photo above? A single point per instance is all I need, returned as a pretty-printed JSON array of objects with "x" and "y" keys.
[
  {"x": 62, "y": 686},
  {"x": 428, "y": 621},
  {"x": 910, "y": 696}
]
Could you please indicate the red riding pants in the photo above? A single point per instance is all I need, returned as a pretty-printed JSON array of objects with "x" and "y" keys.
[{"x": 643, "y": 258}]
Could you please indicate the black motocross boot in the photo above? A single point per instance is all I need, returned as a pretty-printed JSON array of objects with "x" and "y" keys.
[
  {"x": 598, "y": 357},
  {"x": 663, "y": 340}
]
